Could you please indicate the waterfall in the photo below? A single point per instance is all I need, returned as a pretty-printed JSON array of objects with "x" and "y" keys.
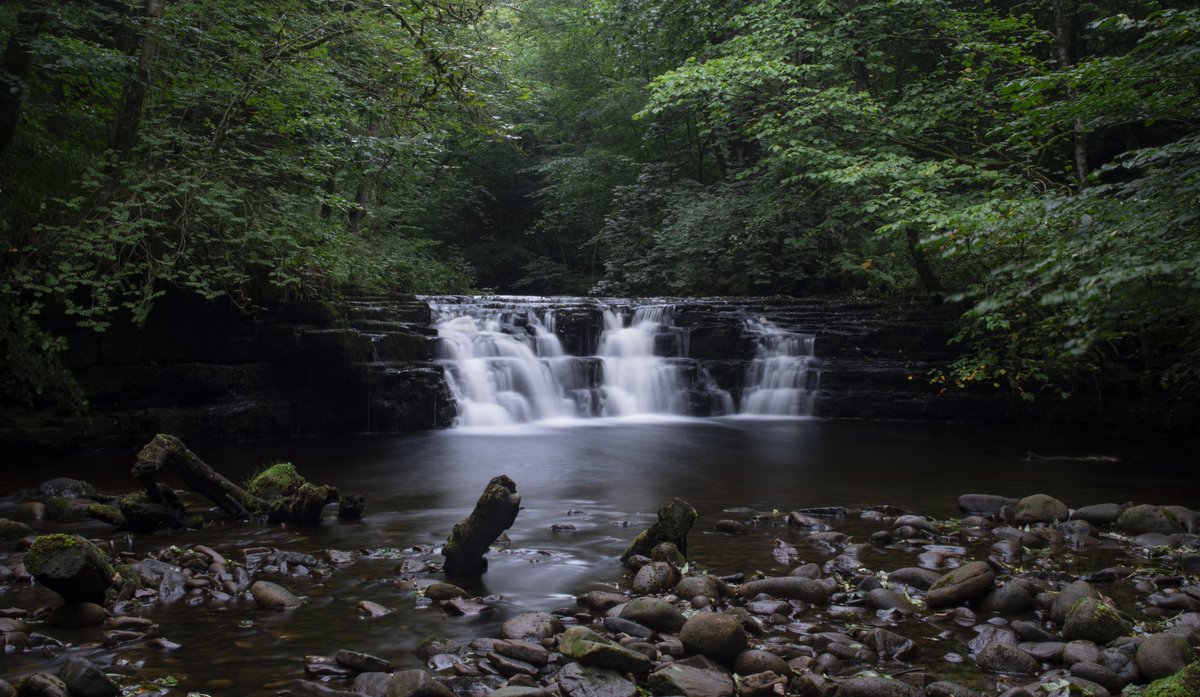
[
  {"x": 783, "y": 376},
  {"x": 636, "y": 380},
  {"x": 505, "y": 362}
]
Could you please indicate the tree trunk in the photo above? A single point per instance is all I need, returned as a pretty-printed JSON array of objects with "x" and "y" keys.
[
  {"x": 1065, "y": 45},
  {"x": 125, "y": 127},
  {"x": 14, "y": 67},
  {"x": 170, "y": 454},
  {"x": 362, "y": 197},
  {"x": 924, "y": 271}
]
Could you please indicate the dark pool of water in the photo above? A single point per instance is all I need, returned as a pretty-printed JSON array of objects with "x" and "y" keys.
[{"x": 615, "y": 473}]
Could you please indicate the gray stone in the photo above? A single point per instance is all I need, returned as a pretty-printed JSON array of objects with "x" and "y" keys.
[
  {"x": 692, "y": 586},
  {"x": 42, "y": 685},
  {"x": 1100, "y": 675},
  {"x": 655, "y": 577},
  {"x": 984, "y": 504},
  {"x": 1099, "y": 514},
  {"x": 949, "y": 689},
  {"x": 756, "y": 661},
  {"x": 272, "y": 596},
  {"x": 1091, "y": 619},
  {"x": 531, "y": 626},
  {"x": 914, "y": 577},
  {"x": 797, "y": 587},
  {"x": 1080, "y": 651},
  {"x": 85, "y": 679},
  {"x": 874, "y": 686},
  {"x": 1002, "y": 658},
  {"x": 1147, "y": 518},
  {"x": 361, "y": 662},
  {"x": 1065, "y": 600},
  {"x": 718, "y": 636},
  {"x": 577, "y": 680},
  {"x": 884, "y": 599},
  {"x": 372, "y": 684},
  {"x": 654, "y": 613},
  {"x": 682, "y": 679},
  {"x": 589, "y": 648},
  {"x": 1008, "y": 599},
  {"x": 1045, "y": 651},
  {"x": 416, "y": 683},
  {"x": 1039, "y": 508},
  {"x": 962, "y": 585},
  {"x": 1160, "y": 655},
  {"x": 438, "y": 592},
  {"x": 888, "y": 644}
]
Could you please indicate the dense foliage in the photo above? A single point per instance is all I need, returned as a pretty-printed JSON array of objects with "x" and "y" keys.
[{"x": 1037, "y": 163}]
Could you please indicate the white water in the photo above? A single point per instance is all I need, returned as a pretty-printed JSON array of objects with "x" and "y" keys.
[
  {"x": 636, "y": 381},
  {"x": 505, "y": 365},
  {"x": 782, "y": 378}
]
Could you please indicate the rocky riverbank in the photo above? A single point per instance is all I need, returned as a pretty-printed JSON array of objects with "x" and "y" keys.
[{"x": 1014, "y": 598}]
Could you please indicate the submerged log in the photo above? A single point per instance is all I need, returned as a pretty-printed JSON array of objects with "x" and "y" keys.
[
  {"x": 494, "y": 513},
  {"x": 673, "y": 525},
  {"x": 169, "y": 453}
]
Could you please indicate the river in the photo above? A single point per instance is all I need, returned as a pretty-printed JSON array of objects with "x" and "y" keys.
[{"x": 604, "y": 477}]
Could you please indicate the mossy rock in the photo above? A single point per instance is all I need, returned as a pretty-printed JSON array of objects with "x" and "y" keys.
[
  {"x": 1093, "y": 620},
  {"x": 275, "y": 481},
  {"x": 71, "y": 566},
  {"x": 1185, "y": 683},
  {"x": 107, "y": 514},
  {"x": 11, "y": 530}
]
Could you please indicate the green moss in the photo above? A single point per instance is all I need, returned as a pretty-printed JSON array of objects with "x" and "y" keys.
[
  {"x": 45, "y": 545},
  {"x": 276, "y": 480},
  {"x": 108, "y": 514},
  {"x": 1185, "y": 683}
]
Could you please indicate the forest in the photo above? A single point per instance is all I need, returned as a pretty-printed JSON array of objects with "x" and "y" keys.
[{"x": 1034, "y": 165}]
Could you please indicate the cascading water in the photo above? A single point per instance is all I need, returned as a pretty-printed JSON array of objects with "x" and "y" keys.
[
  {"x": 782, "y": 379},
  {"x": 636, "y": 381},
  {"x": 505, "y": 364}
]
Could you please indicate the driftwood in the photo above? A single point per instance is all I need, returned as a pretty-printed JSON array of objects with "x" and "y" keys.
[
  {"x": 470, "y": 538},
  {"x": 169, "y": 454}
]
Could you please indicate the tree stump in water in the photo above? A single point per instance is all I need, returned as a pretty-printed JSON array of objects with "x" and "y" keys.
[
  {"x": 169, "y": 453},
  {"x": 673, "y": 525},
  {"x": 494, "y": 513}
]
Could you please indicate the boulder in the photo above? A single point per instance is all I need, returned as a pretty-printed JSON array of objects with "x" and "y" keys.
[
  {"x": 438, "y": 592},
  {"x": 680, "y": 679},
  {"x": 693, "y": 586},
  {"x": 1147, "y": 518},
  {"x": 1095, "y": 621},
  {"x": 1099, "y": 514},
  {"x": 656, "y": 614},
  {"x": 655, "y": 577},
  {"x": 1002, "y": 658},
  {"x": 416, "y": 683},
  {"x": 272, "y": 596},
  {"x": 1185, "y": 683},
  {"x": 914, "y": 577},
  {"x": 589, "y": 648},
  {"x": 1101, "y": 675},
  {"x": 875, "y": 686},
  {"x": 1066, "y": 599},
  {"x": 718, "y": 636},
  {"x": 1160, "y": 655},
  {"x": 674, "y": 522},
  {"x": 577, "y": 680},
  {"x": 962, "y": 585},
  {"x": 756, "y": 661},
  {"x": 471, "y": 537},
  {"x": 1039, "y": 508},
  {"x": 531, "y": 626},
  {"x": 71, "y": 566},
  {"x": 42, "y": 685},
  {"x": 984, "y": 504},
  {"x": 1009, "y": 599},
  {"x": 798, "y": 587},
  {"x": 12, "y": 530},
  {"x": 84, "y": 679}
]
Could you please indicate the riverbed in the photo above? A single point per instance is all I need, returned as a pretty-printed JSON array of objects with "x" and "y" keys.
[{"x": 587, "y": 488}]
